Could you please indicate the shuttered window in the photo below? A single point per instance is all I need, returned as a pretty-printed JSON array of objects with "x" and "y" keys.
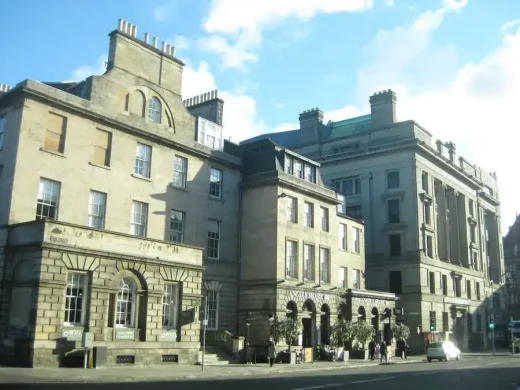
[
  {"x": 55, "y": 133},
  {"x": 102, "y": 148}
]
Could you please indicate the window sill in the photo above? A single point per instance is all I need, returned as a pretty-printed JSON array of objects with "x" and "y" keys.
[
  {"x": 100, "y": 166},
  {"x": 212, "y": 258},
  {"x": 53, "y": 152},
  {"x": 215, "y": 198},
  {"x": 179, "y": 188},
  {"x": 141, "y": 177}
]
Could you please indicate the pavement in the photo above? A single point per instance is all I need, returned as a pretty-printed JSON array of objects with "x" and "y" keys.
[
  {"x": 9, "y": 375},
  {"x": 470, "y": 373}
]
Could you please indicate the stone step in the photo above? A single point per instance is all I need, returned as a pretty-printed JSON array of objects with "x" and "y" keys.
[{"x": 211, "y": 359}]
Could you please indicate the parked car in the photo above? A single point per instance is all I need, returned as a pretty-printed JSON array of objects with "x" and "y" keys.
[{"x": 444, "y": 350}]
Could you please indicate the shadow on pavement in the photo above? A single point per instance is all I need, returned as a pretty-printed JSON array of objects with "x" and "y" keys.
[{"x": 434, "y": 377}]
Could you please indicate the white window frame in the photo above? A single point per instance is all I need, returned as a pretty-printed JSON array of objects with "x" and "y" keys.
[
  {"x": 154, "y": 110},
  {"x": 425, "y": 182},
  {"x": 171, "y": 304},
  {"x": 308, "y": 262},
  {"x": 343, "y": 277},
  {"x": 2, "y": 130},
  {"x": 310, "y": 173},
  {"x": 180, "y": 171},
  {"x": 176, "y": 233},
  {"x": 308, "y": 214},
  {"x": 143, "y": 159},
  {"x": 78, "y": 280},
  {"x": 212, "y": 313},
  {"x": 126, "y": 303},
  {"x": 292, "y": 209},
  {"x": 356, "y": 244},
  {"x": 48, "y": 197},
  {"x": 139, "y": 219},
  {"x": 97, "y": 203},
  {"x": 356, "y": 279},
  {"x": 291, "y": 259},
  {"x": 214, "y": 237},
  {"x": 343, "y": 236},
  {"x": 324, "y": 219},
  {"x": 215, "y": 182},
  {"x": 298, "y": 168},
  {"x": 288, "y": 164},
  {"x": 325, "y": 260},
  {"x": 429, "y": 247}
]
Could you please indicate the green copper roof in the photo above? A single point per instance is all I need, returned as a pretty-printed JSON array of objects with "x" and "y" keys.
[{"x": 348, "y": 127}]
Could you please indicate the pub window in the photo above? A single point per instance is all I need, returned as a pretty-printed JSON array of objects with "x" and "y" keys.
[
  {"x": 126, "y": 303},
  {"x": 75, "y": 298},
  {"x": 171, "y": 305}
]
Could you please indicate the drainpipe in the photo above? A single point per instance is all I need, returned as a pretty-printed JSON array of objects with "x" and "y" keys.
[
  {"x": 239, "y": 248},
  {"x": 371, "y": 196}
]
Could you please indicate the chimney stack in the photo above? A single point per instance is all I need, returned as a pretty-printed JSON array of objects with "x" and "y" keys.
[
  {"x": 4, "y": 88},
  {"x": 383, "y": 108},
  {"x": 311, "y": 124},
  {"x": 206, "y": 105}
]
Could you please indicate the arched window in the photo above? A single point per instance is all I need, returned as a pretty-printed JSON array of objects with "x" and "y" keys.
[
  {"x": 126, "y": 303},
  {"x": 154, "y": 110}
]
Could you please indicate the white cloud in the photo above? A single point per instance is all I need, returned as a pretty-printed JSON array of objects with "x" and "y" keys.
[
  {"x": 285, "y": 127},
  {"x": 455, "y": 5},
  {"x": 244, "y": 22},
  {"x": 85, "y": 71},
  {"x": 197, "y": 81},
  {"x": 341, "y": 113},
  {"x": 389, "y": 3},
  {"x": 473, "y": 105},
  {"x": 509, "y": 25},
  {"x": 232, "y": 56}
]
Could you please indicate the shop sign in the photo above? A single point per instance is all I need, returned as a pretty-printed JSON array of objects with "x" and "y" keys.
[
  {"x": 168, "y": 335},
  {"x": 371, "y": 302},
  {"x": 72, "y": 333},
  {"x": 125, "y": 334},
  {"x": 304, "y": 295}
]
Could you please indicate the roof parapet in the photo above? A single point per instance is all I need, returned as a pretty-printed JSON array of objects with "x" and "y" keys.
[
  {"x": 202, "y": 98},
  {"x": 131, "y": 30}
]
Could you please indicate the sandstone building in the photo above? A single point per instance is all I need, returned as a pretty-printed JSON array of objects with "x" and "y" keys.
[
  {"x": 512, "y": 266},
  {"x": 432, "y": 219},
  {"x": 124, "y": 214}
]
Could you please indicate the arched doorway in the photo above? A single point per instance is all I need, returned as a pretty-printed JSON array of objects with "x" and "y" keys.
[
  {"x": 362, "y": 314},
  {"x": 342, "y": 311},
  {"x": 292, "y": 310},
  {"x": 375, "y": 320},
  {"x": 325, "y": 325},
  {"x": 309, "y": 324}
]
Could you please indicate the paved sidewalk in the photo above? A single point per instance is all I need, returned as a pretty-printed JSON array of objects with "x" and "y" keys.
[{"x": 10, "y": 375}]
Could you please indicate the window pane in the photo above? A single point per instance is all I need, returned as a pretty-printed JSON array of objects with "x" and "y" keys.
[
  {"x": 139, "y": 218},
  {"x": 154, "y": 110},
  {"x": 393, "y": 211},
  {"x": 308, "y": 258},
  {"x": 215, "y": 186},
  {"x": 212, "y": 305},
  {"x": 177, "y": 226},
  {"x": 213, "y": 238},
  {"x": 96, "y": 209},
  {"x": 180, "y": 170},
  {"x": 142, "y": 160},
  {"x": 324, "y": 265},
  {"x": 355, "y": 242},
  {"x": 291, "y": 259},
  {"x": 75, "y": 292},
  {"x": 392, "y": 180},
  {"x": 48, "y": 197},
  {"x": 170, "y": 305},
  {"x": 125, "y": 304}
]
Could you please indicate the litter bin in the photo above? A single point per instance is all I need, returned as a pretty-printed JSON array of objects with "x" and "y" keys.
[{"x": 100, "y": 356}]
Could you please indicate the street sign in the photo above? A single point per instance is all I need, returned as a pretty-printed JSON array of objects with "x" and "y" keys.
[{"x": 398, "y": 311}]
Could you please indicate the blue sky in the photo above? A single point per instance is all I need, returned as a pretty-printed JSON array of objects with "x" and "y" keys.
[{"x": 454, "y": 64}]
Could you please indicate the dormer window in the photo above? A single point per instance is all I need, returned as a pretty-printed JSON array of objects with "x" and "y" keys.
[{"x": 154, "y": 110}]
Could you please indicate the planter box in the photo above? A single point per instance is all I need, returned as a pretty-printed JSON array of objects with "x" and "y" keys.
[
  {"x": 288, "y": 358},
  {"x": 361, "y": 354}
]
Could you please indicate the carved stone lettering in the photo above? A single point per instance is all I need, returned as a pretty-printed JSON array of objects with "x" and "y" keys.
[
  {"x": 304, "y": 295},
  {"x": 59, "y": 240}
]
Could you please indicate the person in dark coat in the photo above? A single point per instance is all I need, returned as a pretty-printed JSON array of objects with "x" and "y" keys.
[
  {"x": 372, "y": 349},
  {"x": 271, "y": 351},
  {"x": 383, "y": 352}
]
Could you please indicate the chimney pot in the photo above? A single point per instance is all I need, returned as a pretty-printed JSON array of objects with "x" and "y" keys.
[
  {"x": 168, "y": 49},
  {"x": 134, "y": 31},
  {"x": 129, "y": 29},
  {"x": 120, "y": 24},
  {"x": 155, "y": 42},
  {"x": 146, "y": 37},
  {"x": 163, "y": 47},
  {"x": 173, "y": 51},
  {"x": 123, "y": 29}
]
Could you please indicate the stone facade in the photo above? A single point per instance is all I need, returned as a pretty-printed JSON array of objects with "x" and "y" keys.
[
  {"x": 116, "y": 154},
  {"x": 432, "y": 219},
  {"x": 298, "y": 252}
]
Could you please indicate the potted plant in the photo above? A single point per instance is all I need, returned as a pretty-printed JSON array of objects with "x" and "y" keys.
[
  {"x": 401, "y": 332},
  {"x": 287, "y": 329},
  {"x": 341, "y": 333},
  {"x": 363, "y": 332}
]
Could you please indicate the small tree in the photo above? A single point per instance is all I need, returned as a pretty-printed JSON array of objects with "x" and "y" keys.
[
  {"x": 286, "y": 328},
  {"x": 401, "y": 332},
  {"x": 362, "y": 331},
  {"x": 342, "y": 332}
]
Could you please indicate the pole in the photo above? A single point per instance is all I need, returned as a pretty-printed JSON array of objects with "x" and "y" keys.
[
  {"x": 493, "y": 340},
  {"x": 204, "y": 330},
  {"x": 85, "y": 358}
]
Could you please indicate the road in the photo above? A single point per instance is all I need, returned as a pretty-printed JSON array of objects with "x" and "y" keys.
[{"x": 472, "y": 373}]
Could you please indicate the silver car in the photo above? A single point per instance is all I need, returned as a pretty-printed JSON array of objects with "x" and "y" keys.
[{"x": 443, "y": 350}]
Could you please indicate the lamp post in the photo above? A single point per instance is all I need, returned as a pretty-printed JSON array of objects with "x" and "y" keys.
[{"x": 204, "y": 324}]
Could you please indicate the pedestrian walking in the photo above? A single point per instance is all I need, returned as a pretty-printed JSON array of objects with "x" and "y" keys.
[
  {"x": 383, "y": 352},
  {"x": 372, "y": 349},
  {"x": 271, "y": 351}
]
